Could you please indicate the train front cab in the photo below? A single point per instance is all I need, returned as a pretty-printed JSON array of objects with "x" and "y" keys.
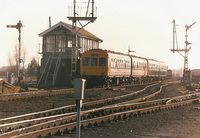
[{"x": 94, "y": 67}]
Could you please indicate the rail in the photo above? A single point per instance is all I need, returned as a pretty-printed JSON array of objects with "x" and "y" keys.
[
  {"x": 65, "y": 128},
  {"x": 54, "y": 111},
  {"x": 66, "y": 123},
  {"x": 57, "y": 111}
]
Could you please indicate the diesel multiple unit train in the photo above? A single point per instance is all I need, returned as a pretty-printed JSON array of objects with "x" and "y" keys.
[{"x": 104, "y": 67}]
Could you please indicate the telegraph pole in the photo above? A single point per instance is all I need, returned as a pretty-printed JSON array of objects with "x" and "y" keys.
[
  {"x": 18, "y": 27},
  {"x": 186, "y": 71},
  {"x": 129, "y": 50}
]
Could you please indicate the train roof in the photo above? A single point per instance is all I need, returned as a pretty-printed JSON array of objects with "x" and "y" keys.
[
  {"x": 119, "y": 53},
  {"x": 156, "y": 60},
  {"x": 113, "y": 52}
]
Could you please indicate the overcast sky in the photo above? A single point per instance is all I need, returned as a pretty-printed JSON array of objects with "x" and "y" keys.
[{"x": 144, "y": 25}]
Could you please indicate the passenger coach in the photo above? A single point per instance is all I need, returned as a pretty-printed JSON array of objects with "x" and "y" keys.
[
  {"x": 107, "y": 67},
  {"x": 102, "y": 67}
]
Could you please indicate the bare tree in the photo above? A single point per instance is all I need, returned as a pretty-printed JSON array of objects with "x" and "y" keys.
[
  {"x": 13, "y": 59},
  {"x": 11, "y": 66},
  {"x": 32, "y": 68},
  {"x": 24, "y": 54},
  {"x": 10, "y": 60},
  {"x": 15, "y": 55}
]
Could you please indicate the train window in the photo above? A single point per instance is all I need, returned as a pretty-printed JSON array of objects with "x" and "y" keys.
[
  {"x": 102, "y": 61},
  {"x": 93, "y": 61},
  {"x": 127, "y": 64},
  {"x": 133, "y": 65},
  {"x": 86, "y": 61},
  {"x": 94, "y": 55}
]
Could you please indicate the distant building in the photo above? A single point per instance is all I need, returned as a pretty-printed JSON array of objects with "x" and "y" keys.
[
  {"x": 56, "y": 52},
  {"x": 196, "y": 76},
  {"x": 196, "y": 72}
]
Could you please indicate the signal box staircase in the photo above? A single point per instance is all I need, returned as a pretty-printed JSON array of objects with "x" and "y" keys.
[{"x": 50, "y": 71}]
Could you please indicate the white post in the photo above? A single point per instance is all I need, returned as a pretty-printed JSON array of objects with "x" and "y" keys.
[
  {"x": 79, "y": 88},
  {"x": 78, "y": 105}
]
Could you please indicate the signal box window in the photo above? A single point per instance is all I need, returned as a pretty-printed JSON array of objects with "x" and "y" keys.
[
  {"x": 50, "y": 43},
  {"x": 86, "y": 61},
  {"x": 93, "y": 61},
  {"x": 102, "y": 62}
]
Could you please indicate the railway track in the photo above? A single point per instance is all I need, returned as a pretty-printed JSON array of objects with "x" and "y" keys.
[
  {"x": 63, "y": 123},
  {"x": 71, "y": 108},
  {"x": 94, "y": 117},
  {"x": 35, "y": 117},
  {"x": 42, "y": 93}
]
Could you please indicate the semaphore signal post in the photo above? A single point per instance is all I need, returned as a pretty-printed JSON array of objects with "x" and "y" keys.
[
  {"x": 18, "y": 27},
  {"x": 186, "y": 70}
]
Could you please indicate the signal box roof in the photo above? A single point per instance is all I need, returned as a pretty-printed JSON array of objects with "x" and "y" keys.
[{"x": 82, "y": 32}]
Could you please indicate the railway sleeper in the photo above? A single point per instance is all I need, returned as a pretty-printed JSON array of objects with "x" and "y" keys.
[
  {"x": 143, "y": 113},
  {"x": 111, "y": 111},
  {"x": 115, "y": 119},
  {"x": 49, "y": 134},
  {"x": 120, "y": 110},
  {"x": 66, "y": 122},
  {"x": 96, "y": 124},
  {"x": 73, "y": 129},
  {"x": 109, "y": 121},
  {"x": 138, "y": 113},
  {"x": 89, "y": 125},
  {"x": 195, "y": 101},
  {"x": 124, "y": 117},
  {"x": 83, "y": 117},
  {"x": 119, "y": 117},
  {"x": 97, "y": 114},
  {"x": 82, "y": 127},
  {"x": 66, "y": 131},
  {"x": 92, "y": 115},
  {"x": 130, "y": 115},
  {"x": 58, "y": 133},
  {"x": 89, "y": 117},
  {"x": 102, "y": 112},
  {"x": 102, "y": 122}
]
